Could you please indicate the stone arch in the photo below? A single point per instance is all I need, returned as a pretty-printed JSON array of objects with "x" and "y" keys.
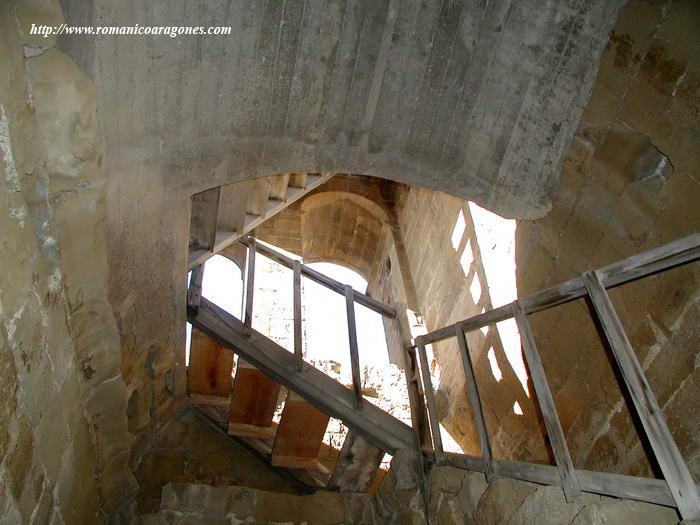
[{"x": 343, "y": 228}]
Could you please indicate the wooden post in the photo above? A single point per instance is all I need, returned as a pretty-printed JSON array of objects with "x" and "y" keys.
[
  {"x": 475, "y": 401},
  {"x": 298, "y": 351},
  {"x": 194, "y": 292},
  {"x": 680, "y": 482},
  {"x": 250, "y": 283},
  {"x": 569, "y": 483},
  {"x": 432, "y": 404},
  {"x": 352, "y": 339}
]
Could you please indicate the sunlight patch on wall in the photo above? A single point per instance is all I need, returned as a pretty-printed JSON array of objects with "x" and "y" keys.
[
  {"x": 496, "y": 238},
  {"x": 495, "y": 369},
  {"x": 475, "y": 289},
  {"x": 517, "y": 410},
  {"x": 467, "y": 258},
  {"x": 458, "y": 230}
]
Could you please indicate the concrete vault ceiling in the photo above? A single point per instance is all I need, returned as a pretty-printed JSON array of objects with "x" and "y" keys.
[{"x": 476, "y": 98}]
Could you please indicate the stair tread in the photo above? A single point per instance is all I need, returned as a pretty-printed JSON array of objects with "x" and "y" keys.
[
  {"x": 301, "y": 429},
  {"x": 210, "y": 366},
  {"x": 253, "y": 398},
  {"x": 374, "y": 424}
]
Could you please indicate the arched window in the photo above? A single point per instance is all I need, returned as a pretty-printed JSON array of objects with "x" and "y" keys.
[{"x": 223, "y": 285}]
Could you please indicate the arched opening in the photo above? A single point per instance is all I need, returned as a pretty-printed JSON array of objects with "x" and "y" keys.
[{"x": 223, "y": 285}]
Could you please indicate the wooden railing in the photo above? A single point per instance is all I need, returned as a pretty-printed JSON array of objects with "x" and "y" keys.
[
  {"x": 351, "y": 297},
  {"x": 677, "y": 489}
]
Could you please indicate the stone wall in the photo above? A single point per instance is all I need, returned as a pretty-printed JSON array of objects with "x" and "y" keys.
[
  {"x": 184, "y": 504},
  {"x": 64, "y": 442},
  {"x": 454, "y": 497},
  {"x": 458, "y": 496},
  {"x": 630, "y": 182},
  {"x": 451, "y": 284},
  {"x": 189, "y": 449}
]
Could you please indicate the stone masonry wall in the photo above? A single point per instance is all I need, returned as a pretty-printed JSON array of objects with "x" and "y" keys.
[
  {"x": 630, "y": 182},
  {"x": 64, "y": 442},
  {"x": 189, "y": 449},
  {"x": 454, "y": 497}
]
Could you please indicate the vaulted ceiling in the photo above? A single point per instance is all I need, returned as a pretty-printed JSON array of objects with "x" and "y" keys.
[{"x": 476, "y": 98}]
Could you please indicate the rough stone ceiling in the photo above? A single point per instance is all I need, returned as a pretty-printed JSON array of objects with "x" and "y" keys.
[{"x": 476, "y": 98}]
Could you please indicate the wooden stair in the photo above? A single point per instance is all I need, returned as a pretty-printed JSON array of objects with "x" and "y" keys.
[
  {"x": 313, "y": 397},
  {"x": 222, "y": 215},
  {"x": 299, "y": 435},
  {"x": 253, "y": 402}
]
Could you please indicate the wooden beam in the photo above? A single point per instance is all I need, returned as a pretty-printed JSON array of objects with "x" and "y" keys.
[
  {"x": 296, "y": 462},
  {"x": 298, "y": 348},
  {"x": 352, "y": 341},
  {"x": 251, "y": 431},
  {"x": 475, "y": 401},
  {"x": 676, "y": 253},
  {"x": 203, "y": 218},
  {"x": 250, "y": 284},
  {"x": 376, "y": 426},
  {"x": 194, "y": 292},
  {"x": 674, "y": 469},
  {"x": 206, "y": 399},
  {"x": 432, "y": 404},
  {"x": 617, "y": 485},
  {"x": 569, "y": 483},
  {"x": 233, "y": 227},
  {"x": 324, "y": 280}
]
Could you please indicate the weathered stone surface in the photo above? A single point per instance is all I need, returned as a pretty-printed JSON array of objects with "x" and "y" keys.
[
  {"x": 548, "y": 505},
  {"x": 190, "y": 451},
  {"x": 404, "y": 468},
  {"x": 610, "y": 511},
  {"x": 500, "y": 501}
]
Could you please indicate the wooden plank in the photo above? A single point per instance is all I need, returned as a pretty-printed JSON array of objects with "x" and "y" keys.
[
  {"x": 301, "y": 463},
  {"x": 250, "y": 283},
  {"x": 376, "y": 426},
  {"x": 251, "y": 431},
  {"x": 357, "y": 465},
  {"x": 259, "y": 194},
  {"x": 232, "y": 206},
  {"x": 352, "y": 341},
  {"x": 569, "y": 483},
  {"x": 254, "y": 397},
  {"x": 236, "y": 222},
  {"x": 194, "y": 291},
  {"x": 298, "y": 344},
  {"x": 419, "y": 414},
  {"x": 432, "y": 404},
  {"x": 676, "y": 253},
  {"x": 203, "y": 217},
  {"x": 278, "y": 187},
  {"x": 475, "y": 401},
  {"x": 301, "y": 429},
  {"x": 209, "y": 371},
  {"x": 674, "y": 469},
  {"x": 297, "y": 180},
  {"x": 617, "y": 485},
  {"x": 326, "y": 281},
  {"x": 206, "y": 399}
]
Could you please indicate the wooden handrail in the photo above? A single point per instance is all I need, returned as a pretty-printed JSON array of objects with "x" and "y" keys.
[
  {"x": 676, "y": 253},
  {"x": 680, "y": 488},
  {"x": 326, "y": 281}
]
